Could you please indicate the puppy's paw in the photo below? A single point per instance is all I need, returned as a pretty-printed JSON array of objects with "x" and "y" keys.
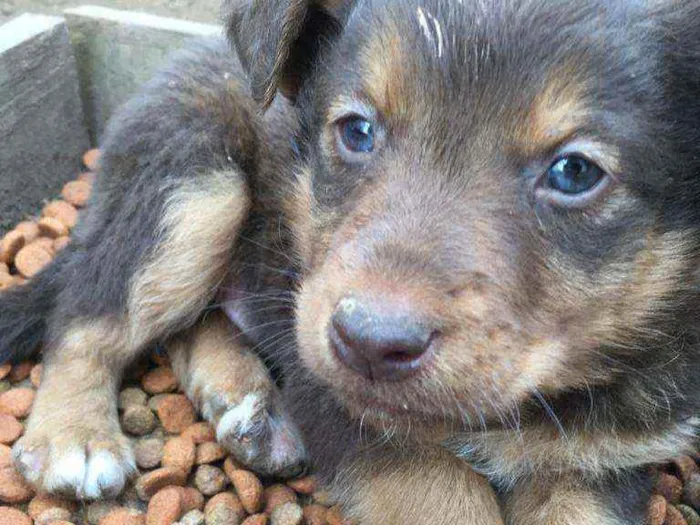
[
  {"x": 262, "y": 437},
  {"x": 76, "y": 463}
]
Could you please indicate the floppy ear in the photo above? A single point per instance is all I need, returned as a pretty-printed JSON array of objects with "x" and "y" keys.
[{"x": 278, "y": 40}]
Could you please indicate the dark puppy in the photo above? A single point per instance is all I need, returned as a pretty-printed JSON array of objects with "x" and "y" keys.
[{"x": 494, "y": 209}]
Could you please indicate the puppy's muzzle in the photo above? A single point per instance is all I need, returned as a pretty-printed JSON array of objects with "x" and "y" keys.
[{"x": 380, "y": 338}]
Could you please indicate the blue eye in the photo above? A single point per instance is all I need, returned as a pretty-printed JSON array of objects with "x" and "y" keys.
[
  {"x": 357, "y": 135},
  {"x": 573, "y": 174}
]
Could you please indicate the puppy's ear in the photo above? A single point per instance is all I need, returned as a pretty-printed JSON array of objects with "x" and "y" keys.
[{"x": 278, "y": 40}]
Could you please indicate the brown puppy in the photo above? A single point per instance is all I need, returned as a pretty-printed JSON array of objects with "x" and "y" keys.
[{"x": 490, "y": 211}]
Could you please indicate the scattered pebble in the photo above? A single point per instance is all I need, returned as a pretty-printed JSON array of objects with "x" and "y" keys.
[
  {"x": 315, "y": 514},
  {"x": 306, "y": 485},
  {"x": 276, "y": 495}
]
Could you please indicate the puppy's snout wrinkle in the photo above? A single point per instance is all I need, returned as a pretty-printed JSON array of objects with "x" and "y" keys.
[{"x": 378, "y": 339}]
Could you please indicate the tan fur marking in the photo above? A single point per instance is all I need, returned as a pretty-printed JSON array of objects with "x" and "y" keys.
[
  {"x": 199, "y": 227},
  {"x": 385, "y": 74},
  {"x": 421, "y": 489},
  {"x": 216, "y": 370},
  {"x": 555, "y": 501}
]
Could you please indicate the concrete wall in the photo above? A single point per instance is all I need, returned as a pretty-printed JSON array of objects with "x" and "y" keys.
[
  {"x": 60, "y": 80},
  {"x": 119, "y": 50},
  {"x": 42, "y": 129}
]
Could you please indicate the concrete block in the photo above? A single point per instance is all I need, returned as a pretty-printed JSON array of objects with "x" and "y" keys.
[
  {"x": 119, "y": 50},
  {"x": 42, "y": 128}
]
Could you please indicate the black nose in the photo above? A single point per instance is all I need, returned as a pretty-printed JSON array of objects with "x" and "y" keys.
[{"x": 378, "y": 341}]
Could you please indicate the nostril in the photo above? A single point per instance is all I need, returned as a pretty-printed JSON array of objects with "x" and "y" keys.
[{"x": 376, "y": 341}]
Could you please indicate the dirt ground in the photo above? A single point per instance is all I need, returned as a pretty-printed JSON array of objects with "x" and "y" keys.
[{"x": 196, "y": 10}]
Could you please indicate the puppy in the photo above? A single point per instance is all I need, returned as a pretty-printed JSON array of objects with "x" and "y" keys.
[{"x": 488, "y": 215}]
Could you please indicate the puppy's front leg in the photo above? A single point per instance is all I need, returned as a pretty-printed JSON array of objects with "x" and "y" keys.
[
  {"x": 235, "y": 393},
  {"x": 429, "y": 486},
  {"x": 568, "y": 499}
]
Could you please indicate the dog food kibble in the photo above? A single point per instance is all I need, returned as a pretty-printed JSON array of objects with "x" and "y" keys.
[
  {"x": 192, "y": 499},
  {"x": 256, "y": 519},
  {"x": 276, "y": 495},
  {"x": 691, "y": 491},
  {"x": 165, "y": 507},
  {"x": 53, "y": 515},
  {"x": 13, "y": 488},
  {"x": 249, "y": 489},
  {"x": 42, "y": 502},
  {"x": 60, "y": 243},
  {"x": 20, "y": 371},
  {"x": 97, "y": 510},
  {"x": 193, "y": 517},
  {"x": 689, "y": 514},
  {"x": 170, "y": 445},
  {"x": 175, "y": 412},
  {"x": 674, "y": 517},
  {"x": 150, "y": 483},
  {"x": 287, "y": 514},
  {"x": 180, "y": 453},
  {"x": 306, "y": 485},
  {"x": 76, "y": 192},
  {"x": 670, "y": 487},
  {"x": 12, "y": 243},
  {"x": 17, "y": 402},
  {"x": 52, "y": 228},
  {"x": 149, "y": 452},
  {"x": 315, "y": 514},
  {"x": 209, "y": 453},
  {"x": 224, "y": 509},
  {"x": 132, "y": 397},
  {"x": 91, "y": 159},
  {"x": 10, "y": 516},
  {"x": 10, "y": 429},
  {"x": 210, "y": 480},
  {"x": 35, "y": 375},
  {"x": 32, "y": 258},
  {"x": 200, "y": 433},
  {"x": 160, "y": 380},
  {"x": 29, "y": 229},
  {"x": 138, "y": 420},
  {"x": 335, "y": 517},
  {"x": 61, "y": 211},
  {"x": 123, "y": 516}
]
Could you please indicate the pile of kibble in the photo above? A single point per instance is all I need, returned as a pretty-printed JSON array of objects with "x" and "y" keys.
[{"x": 185, "y": 476}]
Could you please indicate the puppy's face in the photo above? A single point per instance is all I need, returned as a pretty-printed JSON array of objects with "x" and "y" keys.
[{"x": 498, "y": 206}]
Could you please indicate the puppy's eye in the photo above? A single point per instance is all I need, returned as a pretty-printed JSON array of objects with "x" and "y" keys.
[
  {"x": 573, "y": 174},
  {"x": 357, "y": 135}
]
